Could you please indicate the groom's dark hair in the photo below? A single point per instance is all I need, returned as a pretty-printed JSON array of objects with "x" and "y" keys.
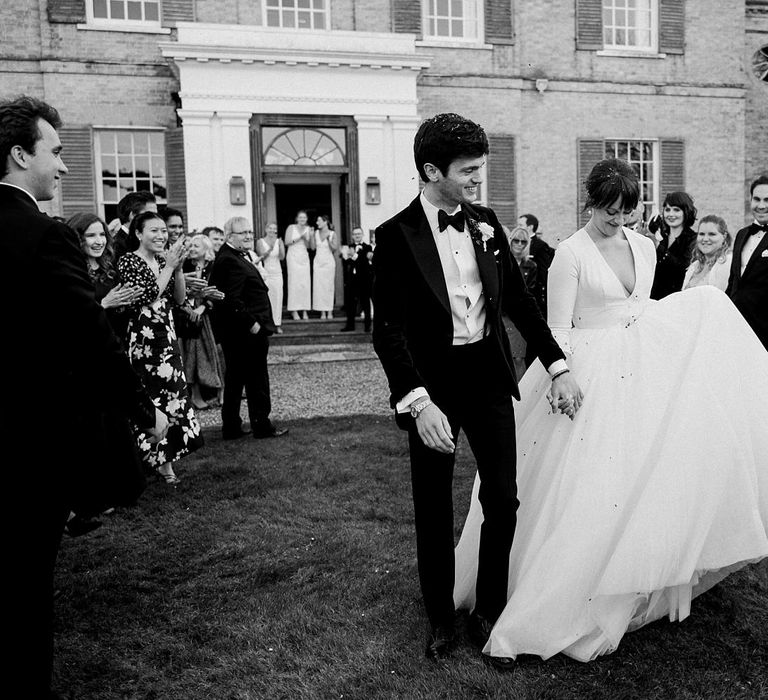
[{"x": 445, "y": 137}]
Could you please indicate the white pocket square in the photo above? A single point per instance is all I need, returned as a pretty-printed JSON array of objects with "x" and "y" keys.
[
  {"x": 496, "y": 252},
  {"x": 764, "y": 254}
]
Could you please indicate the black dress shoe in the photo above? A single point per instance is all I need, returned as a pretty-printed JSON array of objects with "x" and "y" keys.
[
  {"x": 79, "y": 525},
  {"x": 347, "y": 328},
  {"x": 270, "y": 432},
  {"x": 235, "y": 434},
  {"x": 479, "y": 631},
  {"x": 439, "y": 642}
]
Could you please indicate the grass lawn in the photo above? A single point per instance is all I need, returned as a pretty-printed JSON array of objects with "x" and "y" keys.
[{"x": 286, "y": 569}]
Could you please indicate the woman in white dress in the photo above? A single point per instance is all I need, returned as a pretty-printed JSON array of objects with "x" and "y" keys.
[
  {"x": 657, "y": 489},
  {"x": 324, "y": 267},
  {"x": 711, "y": 256},
  {"x": 271, "y": 250},
  {"x": 298, "y": 240}
]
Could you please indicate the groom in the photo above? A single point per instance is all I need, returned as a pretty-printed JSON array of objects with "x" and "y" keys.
[{"x": 443, "y": 277}]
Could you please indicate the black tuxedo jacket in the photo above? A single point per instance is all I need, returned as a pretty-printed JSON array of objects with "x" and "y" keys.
[
  {"x": 749, "y": 291},
  {"x": 413, "y": 323},
  {"x": 62, "y": 363},
  {"x": 363, "y": 268},
  {"x": 246, "y": 300}
]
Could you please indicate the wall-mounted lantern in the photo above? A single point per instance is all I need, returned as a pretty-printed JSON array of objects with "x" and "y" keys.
[
  {"x": 372, "y": 190},
  {"x": 237, "y": 190}
]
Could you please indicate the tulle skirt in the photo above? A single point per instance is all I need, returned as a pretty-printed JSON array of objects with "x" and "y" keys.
[{"x": 655, "y": 492}]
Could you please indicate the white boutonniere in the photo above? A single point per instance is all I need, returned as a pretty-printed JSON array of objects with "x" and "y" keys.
[
  {"x": 764, "y": 254},
  {"x": 481, "y": 232}
]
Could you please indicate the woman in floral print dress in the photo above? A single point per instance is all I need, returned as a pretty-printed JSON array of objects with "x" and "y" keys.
[{"x": 151, "y": 340}]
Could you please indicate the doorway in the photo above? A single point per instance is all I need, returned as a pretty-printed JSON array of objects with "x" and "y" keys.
[{"x": 316, "y": 194}]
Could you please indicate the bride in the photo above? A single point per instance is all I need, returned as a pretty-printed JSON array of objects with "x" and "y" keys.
[{"x": 657, "y": 489}]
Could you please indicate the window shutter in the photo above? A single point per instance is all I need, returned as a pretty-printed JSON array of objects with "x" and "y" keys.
[
  {"x": 502, "y": 185},
  {"x": 672, "y": 176},
  {"x": 589, "y": 25},
  {"x": 590, "y": 152},
  {"x": 671, "y": 26},
  {"x": 406, "y": 16},
  {"x": 498, "y": 21},
  {"x": 178, "y": 11},
  {"x": 78, "y": 192},
  {"x": 175, "y": 176},
  {"x": 66, "y": 11}
]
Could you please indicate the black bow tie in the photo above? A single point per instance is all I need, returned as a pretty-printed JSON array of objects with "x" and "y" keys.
[
  {"x": 757, "y": 228},
  {"x": 444, "y": 221}
]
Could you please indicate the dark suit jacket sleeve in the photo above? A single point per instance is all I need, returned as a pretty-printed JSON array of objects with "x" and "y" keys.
[
  {"x": 230, "y": 277},
  {"x": 389, "y": 301},
  {"x": 521, "y": 306},
  {"x": 735, "y": 262},
  {"x": 81, "y": 323}
]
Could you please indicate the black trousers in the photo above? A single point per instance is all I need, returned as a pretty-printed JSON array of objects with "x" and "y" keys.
[
  {"x": 245, "y": 358},
  {"x": 358, "y": 296},
  {"x": 472, "y": 397}
]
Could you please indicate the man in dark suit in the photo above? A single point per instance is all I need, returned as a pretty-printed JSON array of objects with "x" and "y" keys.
[
  {"x": 443, "y": 275},
  {"x": 358, "y": 278},
  {"x": 242, "y": 323},
  {"x": 748, "y": 283},
  {"x": 63, "y": 360}
]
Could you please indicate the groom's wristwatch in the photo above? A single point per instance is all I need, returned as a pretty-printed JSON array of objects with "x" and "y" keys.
[{"x": 419, "y": 406}]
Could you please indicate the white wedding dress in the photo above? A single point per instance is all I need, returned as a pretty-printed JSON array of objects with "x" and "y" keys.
[{"x": 659, "y": 487}]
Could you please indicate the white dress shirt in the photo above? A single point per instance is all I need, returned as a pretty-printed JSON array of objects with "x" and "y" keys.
[{"x": 750, "y": 245}]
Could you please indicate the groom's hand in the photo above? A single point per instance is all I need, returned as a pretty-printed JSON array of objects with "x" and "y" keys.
[{"x": 434, "y": 430}]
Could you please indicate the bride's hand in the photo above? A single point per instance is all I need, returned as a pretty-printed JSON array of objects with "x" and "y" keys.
[{"x": 565, "y": 395}]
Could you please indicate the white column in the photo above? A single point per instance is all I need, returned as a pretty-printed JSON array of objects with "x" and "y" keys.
[
  {"x": 406, "y": 180},
  {"x": 233, "y": 157},
  {"x": 374, "y": 160},
  {"x": 198, "y": 160}
]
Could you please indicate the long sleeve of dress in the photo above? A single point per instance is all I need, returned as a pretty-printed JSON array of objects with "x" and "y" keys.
[{"x": 562, "y": 288}]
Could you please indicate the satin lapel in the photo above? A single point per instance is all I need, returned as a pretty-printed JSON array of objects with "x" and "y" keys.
[
  {"x": 756, "y": 255},
  {"x": 419, "y": 237},
  {"x": 486, "y": 260}
]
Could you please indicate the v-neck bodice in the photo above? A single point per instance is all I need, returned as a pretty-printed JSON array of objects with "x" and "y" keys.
[
  {"x": 627, "y": 292},
  {"x": 584, "y": 290}
]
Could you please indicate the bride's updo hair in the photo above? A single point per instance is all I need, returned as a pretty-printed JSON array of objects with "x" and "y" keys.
[{"x": 609, "y": 180}]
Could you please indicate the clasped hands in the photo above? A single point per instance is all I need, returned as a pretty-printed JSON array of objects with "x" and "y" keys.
[{"x": 565, "y": 395}]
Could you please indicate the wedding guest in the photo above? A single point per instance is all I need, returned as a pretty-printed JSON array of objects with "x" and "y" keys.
[
  {"x": 711, "y": 256},
  {"x": 520, "y": 246},
  {"x": 673, "y": 252},
  {"x": 748, "y": 282},
  {"x": 243, "y": 323},
  {"x": 174, "y": 222},
  {"x": 198, "y": 347},
  {"x": 58, "y": 339},
  {"x": 358, "y": 280},
  {"x": 298, "y": 241},
  {"x": 325, "y": 245},
  {"x": 131, "y": 205},
  {"x": 271, "y": 251},
  {"x": 96, "y": 243},
  {"x": 216, "y": 235},
  {"x": 151, "y": 340}
]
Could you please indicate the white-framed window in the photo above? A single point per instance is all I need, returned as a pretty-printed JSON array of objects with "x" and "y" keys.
[
  {"x": 297, "y": 14},
  {"x": 631, "y": 25},
  {"x": 453, "y": 20},
  {"x": 128, "y": 161},
  {"x": 123, "y": 12},
  {"x": 643, "y": 156}
]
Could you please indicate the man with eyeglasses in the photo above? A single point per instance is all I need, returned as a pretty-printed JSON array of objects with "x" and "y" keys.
[{"x": 242, "y": 323}]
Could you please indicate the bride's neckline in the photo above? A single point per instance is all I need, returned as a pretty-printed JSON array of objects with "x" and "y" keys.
[{"x": 628, "y": 292}]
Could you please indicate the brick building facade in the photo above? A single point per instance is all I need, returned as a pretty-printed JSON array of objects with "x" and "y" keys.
[{"x": 261, "y": 107}]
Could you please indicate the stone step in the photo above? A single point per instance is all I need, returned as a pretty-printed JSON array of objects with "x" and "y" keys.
[
  {"x": 319, "y": 352},
  {"x": 316, "y": 331}
]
